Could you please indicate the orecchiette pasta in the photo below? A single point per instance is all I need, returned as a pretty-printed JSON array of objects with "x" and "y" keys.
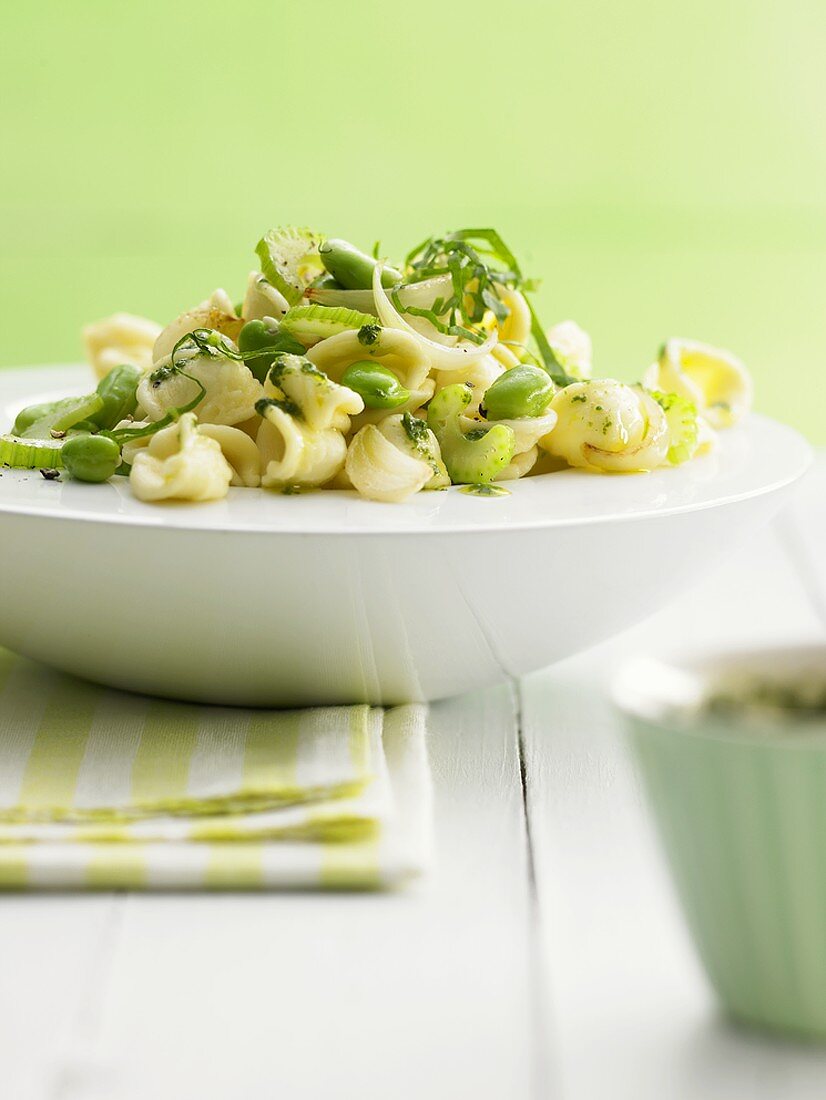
[
  {"x": 394, "y": 350},
  {"x": 121, "y": 338},
  {"x": 322, "y": 403},
  {"x": 505, "y": 356},
  {"x": 608, "y": 426},
  {"x": 446, "y": 351},
  {"x": 180, "y": 463},
  {"x": 131, "y": 447},
  {"x": 231, "y": 389},
  {"x": 716, "y": 381},
  {"x": 239, "y": 450},
  {"x": 390, "y": 462},
  {"x": 398, "y": 351},
  {"x": 516, "y": 327},
  {"x": 354, "y": 374},
  {"x": 514, "y": 331},
  {"x": 519, "y": 465},
  {"x": 262, "y": 299},
  {"x": 572, "y": 347},
  {"x": 412, "y": 435},
  {"x": 478, "y": 377},
  {"x": 216, "y": 312},
  {"x": 295, "y": 455}
]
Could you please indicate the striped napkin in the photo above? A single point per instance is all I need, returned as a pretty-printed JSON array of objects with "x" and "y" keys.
[{"x": 101, "y": 789}]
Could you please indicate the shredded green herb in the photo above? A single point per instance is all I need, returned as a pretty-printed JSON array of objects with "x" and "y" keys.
[
  {"x": 205, "y": 341},
  {"x": 479, "y": 264},
  {"x": 473, "y": 281}
]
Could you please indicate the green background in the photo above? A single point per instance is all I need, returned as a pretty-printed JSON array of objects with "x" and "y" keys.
[{"x": 661, "y": 166}]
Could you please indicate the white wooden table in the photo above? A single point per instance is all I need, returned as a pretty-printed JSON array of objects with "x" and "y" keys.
[{"x": 544, "y": 957}]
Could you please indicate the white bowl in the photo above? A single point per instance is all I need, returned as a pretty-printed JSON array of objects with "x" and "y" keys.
[{"x": 274, "y": 600}]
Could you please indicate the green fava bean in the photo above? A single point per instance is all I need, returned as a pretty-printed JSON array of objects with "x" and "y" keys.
[
  {"x": 32, "y": 413},
  {"x": 377, "y": 386},
  {"x": 522, "y": 391},
  {"x": 327, "y": 282},
  {"x": 118, "y": 391},
  {"x": 266, "y": 338},
  {"x": 63, "y": 415},
  {"x": 352, "y": 268},
  {"x": 92, "y": 458}
]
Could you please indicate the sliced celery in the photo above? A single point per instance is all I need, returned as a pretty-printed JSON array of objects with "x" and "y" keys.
[
  {"x": 290, "y": 260},
  {"x": 26, "y": 417},
  {"x": 64, "y": 415},
  {"x": 309, "y": 324},
  {"x": 683, "y": 429},
  {"x": 30, "y": 454}
]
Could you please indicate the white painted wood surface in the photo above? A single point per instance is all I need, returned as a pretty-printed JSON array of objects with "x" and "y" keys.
[
  {"x": 544, "y": 957},
  {"x": 630, "y": 1014}
]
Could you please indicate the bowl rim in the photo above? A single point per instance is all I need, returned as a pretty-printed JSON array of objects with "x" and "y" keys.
[{"x": 772, "y": 456}]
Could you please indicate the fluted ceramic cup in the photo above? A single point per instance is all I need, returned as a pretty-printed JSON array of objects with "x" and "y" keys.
[{"x": 741, "y": 808}]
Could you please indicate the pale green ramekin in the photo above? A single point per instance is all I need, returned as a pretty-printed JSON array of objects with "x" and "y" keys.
[{"x": 741, "y": 810}]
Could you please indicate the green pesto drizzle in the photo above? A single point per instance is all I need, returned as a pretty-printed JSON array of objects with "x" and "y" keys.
[{"x": 483, "y": 490}]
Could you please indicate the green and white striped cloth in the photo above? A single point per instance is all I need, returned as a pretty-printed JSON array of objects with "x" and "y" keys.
[{"x": 102, "y": 789}]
